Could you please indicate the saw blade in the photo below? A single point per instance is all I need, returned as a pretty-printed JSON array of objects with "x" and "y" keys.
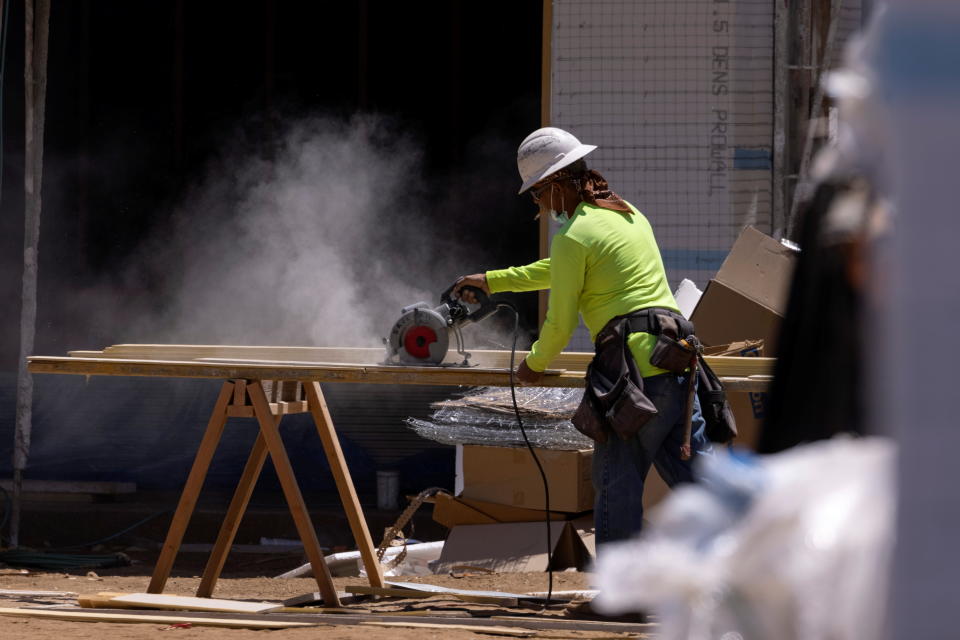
[
  {"x": 420, "y": 336},
  {"x": 417, "y": 341}
]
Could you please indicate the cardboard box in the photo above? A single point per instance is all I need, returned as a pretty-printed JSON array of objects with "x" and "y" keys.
[
  {"x": 747, "y": 298},
  {"x": 748, "y": 407},
  {"x": 452, "y": 512},
  {"x": 512, "y": 547},
  {"x": 509, "y": 476}
]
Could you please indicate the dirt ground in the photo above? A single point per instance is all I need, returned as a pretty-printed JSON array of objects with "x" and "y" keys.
[{"x": 271, "y": 589}]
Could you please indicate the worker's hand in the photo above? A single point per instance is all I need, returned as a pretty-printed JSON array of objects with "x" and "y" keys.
[
  {"x": 478, "y": 280},
  {"x": 527, "y": 376}
]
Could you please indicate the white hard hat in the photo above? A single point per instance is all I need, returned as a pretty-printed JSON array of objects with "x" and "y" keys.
[{"x": 546, "y": 151}]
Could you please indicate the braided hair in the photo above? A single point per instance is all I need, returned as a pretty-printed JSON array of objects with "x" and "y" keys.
[{"x": 592, "y": 187}]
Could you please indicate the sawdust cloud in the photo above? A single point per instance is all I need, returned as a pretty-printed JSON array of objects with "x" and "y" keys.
[{"x": 319, "y": 242}]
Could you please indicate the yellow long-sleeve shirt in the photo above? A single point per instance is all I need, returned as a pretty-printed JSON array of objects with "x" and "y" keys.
[{"x": 602, "y": 264}]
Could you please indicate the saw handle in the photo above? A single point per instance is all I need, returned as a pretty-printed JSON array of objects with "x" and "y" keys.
[
  {"x": 460, "y": 313},
  {"x": 481, "y": 295}
]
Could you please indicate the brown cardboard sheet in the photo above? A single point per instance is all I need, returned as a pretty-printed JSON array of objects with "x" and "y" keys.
[
  {"x": 509, "y": 476},
  {"x": 747, "y": 298},
  {"x": 512, "y": 547},
  {"x": 451, "y": 512}
]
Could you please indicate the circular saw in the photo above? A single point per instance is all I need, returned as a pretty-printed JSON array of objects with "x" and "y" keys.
[{"x": 422, "y": 335}]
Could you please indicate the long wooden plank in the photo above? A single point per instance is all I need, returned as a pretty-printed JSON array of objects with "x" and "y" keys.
[
  {"x": 400, "y": 592},
  {"x": 747, "y": 384},
  {"x": 95, "y": 616},
  {"x": 390, "y": 592},
  {"x": 29, "y": 593},
  {"x": 191, "y": 490},
  {"x": 332, "y": 373},
  {"x": 572, "y": 362},
  {"x": 343, "y": 355},
  {"x": 440, "y": 376},
  {"x": 437, "y": 589},
  {"x": 231, "y": 522},
  {"x": 482, "y": 358},
  {"x": 341, "y": 474},
  {"x": 190, "y": 603},
  {"x": 291, "y": 491}
]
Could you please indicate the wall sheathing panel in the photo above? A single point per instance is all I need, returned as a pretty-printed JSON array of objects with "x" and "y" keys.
[{"x": 678, "y": 96}]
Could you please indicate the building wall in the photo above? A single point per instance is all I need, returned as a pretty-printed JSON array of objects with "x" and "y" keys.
[{"x": 678, "y": 95}]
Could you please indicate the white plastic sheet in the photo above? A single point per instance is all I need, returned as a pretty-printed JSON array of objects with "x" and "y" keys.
[{"x": 790, "y": 546}]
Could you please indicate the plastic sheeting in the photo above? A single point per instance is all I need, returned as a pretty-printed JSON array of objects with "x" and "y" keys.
[
  {"x": 792, "y": 546},
  {"x": 486, "y": 417}
]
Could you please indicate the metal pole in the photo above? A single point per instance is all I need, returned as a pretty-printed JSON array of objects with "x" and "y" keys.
[
  {"x": 36, "y": 23},
  {"x": 781, "y": 99},
  {"x": 546, "y": 98},
  {"x": 802, "y": 189}
]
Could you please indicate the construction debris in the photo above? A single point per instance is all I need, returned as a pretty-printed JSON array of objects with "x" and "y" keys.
[
  {"x": 408, "y": 604},
  {"x": 349, "y": 563}
]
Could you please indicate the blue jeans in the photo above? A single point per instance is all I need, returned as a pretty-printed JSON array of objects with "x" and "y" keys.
[{"x": 620, "y": 466}]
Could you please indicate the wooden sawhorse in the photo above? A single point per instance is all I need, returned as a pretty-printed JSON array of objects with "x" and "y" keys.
[{"x": 248, "y": 398}]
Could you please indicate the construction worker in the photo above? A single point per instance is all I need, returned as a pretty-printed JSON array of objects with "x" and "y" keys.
[{"x": 604, "y": 262}]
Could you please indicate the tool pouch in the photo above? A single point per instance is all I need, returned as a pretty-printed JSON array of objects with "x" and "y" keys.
[
  {"x": 721, "y": 426},
  {"x": 613, "y": 400},
  {"x": 588, "y": 418},
  {"x": 672, "y": 352},
  {"x": 630, "y": 410}
]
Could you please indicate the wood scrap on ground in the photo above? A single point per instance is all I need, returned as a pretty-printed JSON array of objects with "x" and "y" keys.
[
  {"x": 28, "y": 592},
  {"x": 388, "y": 592},
  {"x": 571, "y": 594},
  {"x": 191, "y": 603},
  {"x": 422, "y": 591},
  {"x": 491, "y": 630},
  {"x": 102, "y": 600},
  {"x": 466, "y": 616},
  {"x": 323, "y": 610},
  {"x": 315, "y": 598},
  {"x": 92, "y": 616}
]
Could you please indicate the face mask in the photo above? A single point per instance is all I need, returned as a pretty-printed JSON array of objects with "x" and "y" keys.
[
  {"x": 557, "y": 216},
  {"x": 560, "y": 216}
]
